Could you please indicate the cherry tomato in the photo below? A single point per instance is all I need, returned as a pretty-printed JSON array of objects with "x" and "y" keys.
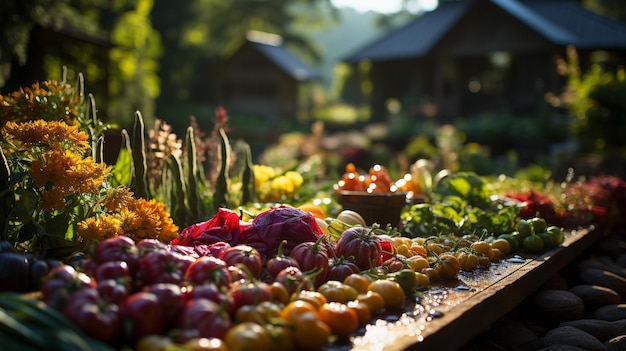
[
  {"x": 279, "y": 293},
  {"x": 513, "y": 243},
  {"x": 502, "y": 244},
  {"x": 293, "y": 280},
  {"x": 468, "y": 260},
  {"x": 391, "y": 291},
  {"x": 417, "y": 262},
  {"x": 423, "y": 281},
  {"x": 142, "y": 314},
  {"x": 448, "y": 266},
  {"x": 279, "y": 262},
  {"x": 482, "y": 247},
  {"x": 262, "y": 313},
  {"x": 339, "y": 268},
  {"x": 341, "y": 319},
  {"x": 282, "y": 337}
]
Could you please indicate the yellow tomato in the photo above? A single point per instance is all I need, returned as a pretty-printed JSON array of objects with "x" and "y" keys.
[
  {"x": 503, "y": 245},
  {"x": 391, "y": 291}
]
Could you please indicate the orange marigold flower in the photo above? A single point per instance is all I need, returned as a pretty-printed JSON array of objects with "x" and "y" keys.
[
  {"x": 98, "y": 228},
  {"x": 87, "y": 175},
  {"x": 53, "y": 167},
  {"x": 118, "y": 198},
  {"x": 53, "y": 199},
  {"x": 152, "y": 221},
  {"x": 46, "y": 133}
]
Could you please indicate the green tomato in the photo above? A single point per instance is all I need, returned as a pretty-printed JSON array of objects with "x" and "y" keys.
[
  {"x": 524, "y": 229},
  {"x": 512, "y": 239},
  {"x": 558, "y": 232},
  {"x": 533, "y": 243},
  {"x": 539, "y": 224},
  {"x": 406, "y": 278},
  {"x": 550, "y": 240}
]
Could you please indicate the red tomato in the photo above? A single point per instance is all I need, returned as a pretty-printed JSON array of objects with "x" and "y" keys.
[
  {"x": 204, "y": 319},
  {"x": 359, "y": 244},
  {"x": 142, "y": 313},
  {"x": 117, "y": 270},
  {"x": 162, "y": 267},
  {"x": 249, "y": 293},
  {"x": 99, "y": 320},
  {"x": 246, "y": 255},
  {"x": 170, "y": 297},
  {"x": 112, "y": 291},
  {"x": 293, "y": 280},
  {"x": 208, "y": 269},
  {"x": 279, "y": 262},
  {"x": 119, "y": 248},
  {"x": 339, "y": 268},
  {"x": 312, "y": 257},
  {"x": 209, "y": 291},
  {"x": 60, "y": 282}
]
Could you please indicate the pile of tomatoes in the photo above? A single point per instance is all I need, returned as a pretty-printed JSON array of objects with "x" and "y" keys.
[{"x": 148, "y": 295}]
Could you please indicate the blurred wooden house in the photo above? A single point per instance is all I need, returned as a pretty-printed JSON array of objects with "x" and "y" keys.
[
  {"x": 474, "y": 56},
  {"x": 262, "y": 78}
]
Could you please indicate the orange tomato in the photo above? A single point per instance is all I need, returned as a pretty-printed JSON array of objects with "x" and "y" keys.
[
  {"x": 341, "y": 319},
  {"x": 373, "y": 300},
  {"x": 279, "y": 292},
  {"x": 482, "y": 247},
  {"x": 315, "y": 210},
  {"x": 359, "y": 282},
  {"x": 418, "y": 249},
  {"x": 310, "y": 333},
  {"x": 315, "y": 298},
  {"x": 247, "y": 336},
  {"x": 391, "y": 291},
  {"x": 362, "y": 311},
  {"x": 336, "y": 291},
  {"x": 448, "y": 266},
  {"x": 296, "y": 309},
  {"x": 417, "y": 262},
  {"x": 501, "y": 244}
]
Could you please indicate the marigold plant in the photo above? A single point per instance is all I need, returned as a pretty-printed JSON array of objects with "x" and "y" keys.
[{"x": 57, "y": 196}]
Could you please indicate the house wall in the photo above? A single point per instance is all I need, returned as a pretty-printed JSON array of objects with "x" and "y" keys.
[{"x": 249, "y": 83}]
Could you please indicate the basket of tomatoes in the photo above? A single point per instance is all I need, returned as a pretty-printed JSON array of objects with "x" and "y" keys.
[{"x": 373, "y": 195}]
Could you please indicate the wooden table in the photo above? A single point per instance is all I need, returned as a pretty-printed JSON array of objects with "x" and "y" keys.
[{"x": 449, "y": 314}]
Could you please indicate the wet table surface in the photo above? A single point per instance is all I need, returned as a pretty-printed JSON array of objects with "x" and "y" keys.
[{"x": 450, "y": 313}]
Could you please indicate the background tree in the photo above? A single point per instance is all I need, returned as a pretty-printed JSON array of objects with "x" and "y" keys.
[{"x": 197, "y": 34}]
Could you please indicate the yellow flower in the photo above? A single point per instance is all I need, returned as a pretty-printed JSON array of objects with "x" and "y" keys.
[
  {"x": 47, "y": 134},
  {"x": 52, "y": 200},
  {"x": 118, "y": 198},
  {"x": 87, "y": 176},
  {"x": 98, "y": 228},
  {"x": 149, "y": 220}
]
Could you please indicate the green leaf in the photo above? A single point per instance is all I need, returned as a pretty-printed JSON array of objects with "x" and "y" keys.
[{"x": 123, "y": 167}]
